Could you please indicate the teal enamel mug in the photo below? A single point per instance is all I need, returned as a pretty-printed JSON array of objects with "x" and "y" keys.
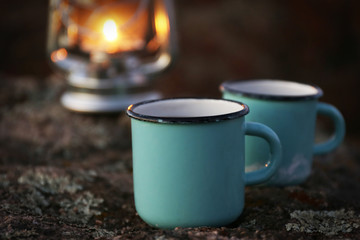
[
  {"x": 188, "y": 160},
  {"x": 291, "y": 110}
]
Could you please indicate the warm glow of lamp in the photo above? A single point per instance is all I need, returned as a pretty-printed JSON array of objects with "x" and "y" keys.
[
  {"x": 107, "y": 34},
  {"x": 110, "y": 51},
  {"x": 72, "y": 32},
  {"x": 162, "y": 25},
  {"x": 59, "y": 55},
  {"x": 110, "y": 30}
]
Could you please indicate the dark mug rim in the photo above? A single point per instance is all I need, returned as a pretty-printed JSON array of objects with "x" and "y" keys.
[
  {"x": 186, "y": 120},
  {"x": 228, "y": 87}
]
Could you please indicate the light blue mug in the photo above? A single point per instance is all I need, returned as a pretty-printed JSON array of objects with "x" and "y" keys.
[
  {"x": 290, "y": 109},
  {"x": 188, "y": 160}
]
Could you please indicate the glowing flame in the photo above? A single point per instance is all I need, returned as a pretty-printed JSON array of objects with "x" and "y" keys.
[
  {"x": 110, "y": 30},
  {"x": 162, "y": 25}
]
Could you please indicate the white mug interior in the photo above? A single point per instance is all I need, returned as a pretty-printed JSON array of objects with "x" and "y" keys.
[
  {"x": 275, "y": 88},
  {"x": 187, "y": 108}
]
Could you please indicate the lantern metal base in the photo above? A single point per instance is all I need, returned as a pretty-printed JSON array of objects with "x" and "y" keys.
[{"x": 97, "y": 103}]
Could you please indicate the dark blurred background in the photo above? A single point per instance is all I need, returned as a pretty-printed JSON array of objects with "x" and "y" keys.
[{"x": 307, "y": 41}]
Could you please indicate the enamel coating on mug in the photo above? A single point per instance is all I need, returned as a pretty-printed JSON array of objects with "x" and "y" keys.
[
  {"x": 191, "y": 173},
  {"x": 187, "y": 175},
  {"x": 294, "y": 121}
]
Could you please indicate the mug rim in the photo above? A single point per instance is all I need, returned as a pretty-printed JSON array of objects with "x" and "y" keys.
[
  {"x": 186, "y": 120},
  {"x": 227, "y": 87}
]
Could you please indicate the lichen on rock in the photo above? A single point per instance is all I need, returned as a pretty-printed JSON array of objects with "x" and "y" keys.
[
  {"x": 49, "y": 182},
  {"x": 326, "y": 222},
  {"x": 82, "y": 209},
  {"x": 49, "y": 190}
]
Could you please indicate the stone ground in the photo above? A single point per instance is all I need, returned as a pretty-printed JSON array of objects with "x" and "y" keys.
[
  {"x": 69, "y": 175},
  {"x": 65, "y": 175}
]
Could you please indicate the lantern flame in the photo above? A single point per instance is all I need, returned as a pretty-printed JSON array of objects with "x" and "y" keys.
[
  {"x": 110, "y": 30},
  {"x": 162, "y": 25}
]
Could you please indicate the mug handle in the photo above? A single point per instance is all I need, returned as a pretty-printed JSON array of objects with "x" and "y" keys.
[
  {"x": 265, "y": 173},
  {"x": 339, "y": 123}
]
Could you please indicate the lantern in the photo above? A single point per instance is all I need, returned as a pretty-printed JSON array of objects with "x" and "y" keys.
[{"x": 110, "y": 50}]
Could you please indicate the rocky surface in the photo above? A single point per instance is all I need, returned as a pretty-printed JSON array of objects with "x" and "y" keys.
[
  {"x": 65, "y": 175},
  {"x": 69, "y": 175}
]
